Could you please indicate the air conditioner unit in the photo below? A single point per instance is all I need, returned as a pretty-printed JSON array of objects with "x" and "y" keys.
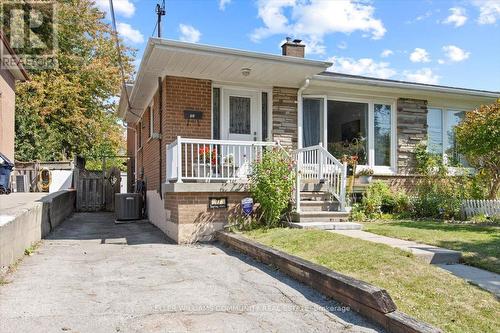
[
  {"x": 22, "y": 184},
  {"x": 128, "y": 206}
]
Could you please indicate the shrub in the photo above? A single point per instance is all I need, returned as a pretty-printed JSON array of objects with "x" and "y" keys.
[
  {"x": 439, "y": 194},
  {"x": 478, "y": 138},
  {"x": 271, "y": 184},
  {"x": 379, "y": 199}
]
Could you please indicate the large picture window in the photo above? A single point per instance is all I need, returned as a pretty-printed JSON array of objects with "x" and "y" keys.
[
  {"x": 347, "y": 130},
  {"x": 361, "y": 128}
]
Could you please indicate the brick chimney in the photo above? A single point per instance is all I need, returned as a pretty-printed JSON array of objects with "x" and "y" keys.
[{"x": 293, "y": 48}]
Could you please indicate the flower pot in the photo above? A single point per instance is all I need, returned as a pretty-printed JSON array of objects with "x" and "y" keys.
[
  {"x": 202, "y": 170},
  {"x": 365, "y": 179}
]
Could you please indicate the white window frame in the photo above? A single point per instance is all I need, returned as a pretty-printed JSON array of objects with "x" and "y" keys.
[
  {"x": 377, "y": 169},
  {"x": 444, "y": 125}
]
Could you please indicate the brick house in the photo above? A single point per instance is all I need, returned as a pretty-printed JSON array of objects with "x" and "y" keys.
[
  {"x": 11, "y": 70},
  {"x": 199, "y": 115}
]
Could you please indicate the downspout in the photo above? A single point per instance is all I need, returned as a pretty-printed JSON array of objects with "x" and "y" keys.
[
  {"x": 160, "y": 140},
  {"x": 299, "y": 141}
]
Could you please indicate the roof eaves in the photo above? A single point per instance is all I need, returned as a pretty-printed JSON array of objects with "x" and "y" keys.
[{"x": 333, "y": 76}]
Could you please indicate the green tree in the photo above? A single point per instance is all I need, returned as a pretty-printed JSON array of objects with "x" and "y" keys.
[
  {"x": 69, "y": 109},
  {"x": 478, "y": 138}
]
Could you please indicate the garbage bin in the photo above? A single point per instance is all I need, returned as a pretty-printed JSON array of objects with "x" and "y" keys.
[{"x": 6, "y": 167}]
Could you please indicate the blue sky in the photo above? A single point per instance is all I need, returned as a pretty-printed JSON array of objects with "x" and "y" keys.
[{"x": 442, "y": 42}]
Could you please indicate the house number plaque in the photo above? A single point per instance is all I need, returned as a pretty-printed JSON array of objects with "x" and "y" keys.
[{"x": 217, "y": 202}]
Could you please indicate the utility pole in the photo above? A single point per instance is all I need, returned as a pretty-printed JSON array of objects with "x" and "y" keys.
[{"x": 160, "y": 11}]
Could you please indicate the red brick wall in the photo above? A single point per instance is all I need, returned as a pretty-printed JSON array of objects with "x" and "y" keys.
[
  {"x": 179, "y": 94},
  {"x": 193, "y": 207}
]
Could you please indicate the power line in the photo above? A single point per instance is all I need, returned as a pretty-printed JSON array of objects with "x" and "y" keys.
[{"x": 154, "y": 30}]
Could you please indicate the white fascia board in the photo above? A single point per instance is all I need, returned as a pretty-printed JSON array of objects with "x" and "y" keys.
[
  {"x": 404, "y": 85},
  {"x": 209, "y": 49}
]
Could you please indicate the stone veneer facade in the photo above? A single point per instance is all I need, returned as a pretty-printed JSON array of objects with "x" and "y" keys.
[
  {"x": 284, "y": 111},
  {"x": 411, "y": 131}
]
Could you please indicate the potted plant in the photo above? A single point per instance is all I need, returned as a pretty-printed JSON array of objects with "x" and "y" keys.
[
  {"x": 228, "y": 166},
  {"x": 365, "y": 175},
  {"x": 205, "y": 164}
]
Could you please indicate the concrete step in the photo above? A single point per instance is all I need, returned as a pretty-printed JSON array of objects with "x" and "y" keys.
[
  {"x": 314, "y": 186},
  {"x": 320, "y": 216},
  {"x": 315, "y": 196},
  {"x": 318, "y": 206},
  {"x": 327, "y": 225}
]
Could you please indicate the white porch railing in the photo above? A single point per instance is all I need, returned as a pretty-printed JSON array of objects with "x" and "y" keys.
[
  {"x": 212, "y": 160},
  {"x": 317, "y": 165}
]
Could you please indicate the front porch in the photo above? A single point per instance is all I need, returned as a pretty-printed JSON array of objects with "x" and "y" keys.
[{"x": 203, "y": 169}]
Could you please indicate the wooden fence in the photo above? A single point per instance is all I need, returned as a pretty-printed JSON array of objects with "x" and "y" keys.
[{"x": 471, "y": 208}]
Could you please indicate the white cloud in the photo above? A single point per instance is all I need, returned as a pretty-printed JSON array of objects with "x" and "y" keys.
[
  {"x": 422, "y": 17},
  {"x": 189, "y": 33},
  {"x": 419, "y": 55},
  {"x": 424, "y": 75},
  {"x": 122, "y": 7},
  {"x": 457, "y": 17},
  {"x": 489, "y": 11},
  {"x": 313, "y": 19},
  {"x": 386, "y": 53},
  {"x": 128, "y": 33},
  {"x": 223, "y": 4},
  {"x": 455, "y": 54},
  {"x": 364, "y": 66}
]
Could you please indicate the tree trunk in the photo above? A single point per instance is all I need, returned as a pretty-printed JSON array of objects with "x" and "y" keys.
[{"x": 495, "y": 185}]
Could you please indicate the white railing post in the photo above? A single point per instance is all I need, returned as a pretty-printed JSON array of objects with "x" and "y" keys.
[
  {"x": 179, "y": 160},
  {"x": 297, "y": 183},
  {"x": 343, "y": 186},
  {"x": 320, "y": 163}
]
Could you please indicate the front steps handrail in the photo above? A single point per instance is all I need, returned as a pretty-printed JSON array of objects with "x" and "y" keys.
[{"x": 317, "y": 164}]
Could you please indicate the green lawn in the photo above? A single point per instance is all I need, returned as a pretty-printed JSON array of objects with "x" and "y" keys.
[
  {"x": 421, "y": 290},
  {"x": 479, "y": 244}
]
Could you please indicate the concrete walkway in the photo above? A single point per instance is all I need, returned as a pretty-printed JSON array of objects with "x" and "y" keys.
[
  {"x": 428, "y": 253},
  {"x": 444, "y": 258},
  {"x": 484, "y": 279},
  {"x": 94, "y": 276}
]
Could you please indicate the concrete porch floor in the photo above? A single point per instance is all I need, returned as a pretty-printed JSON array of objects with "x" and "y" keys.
[{"x": 91, "y": 275}]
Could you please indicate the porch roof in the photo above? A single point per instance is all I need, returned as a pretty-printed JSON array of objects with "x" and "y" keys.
[{"x": 167, "y": 57}]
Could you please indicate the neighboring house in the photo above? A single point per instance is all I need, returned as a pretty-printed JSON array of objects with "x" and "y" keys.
[
  {"x": 199, "y": 115},
  {"x": 11, "y": 70}
]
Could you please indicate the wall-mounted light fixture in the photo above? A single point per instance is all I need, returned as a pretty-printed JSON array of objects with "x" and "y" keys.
[{"x": 246, "y": 71}]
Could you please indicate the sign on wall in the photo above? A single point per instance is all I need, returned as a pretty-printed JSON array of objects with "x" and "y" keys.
[
  {"x": 247, "y": 206},
  {"x": 214, "y": 203}
]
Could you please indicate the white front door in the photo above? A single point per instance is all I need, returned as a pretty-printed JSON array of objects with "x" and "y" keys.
[{"x": 241, "y": 115}]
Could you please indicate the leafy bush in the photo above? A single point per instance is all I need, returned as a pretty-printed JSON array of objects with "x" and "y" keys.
[
  {"x": 478, "y": 138},
  {"x": 271, "y": 184},
  {"x": 439, "y": 194},
  {"x": 380, "y": 199}
]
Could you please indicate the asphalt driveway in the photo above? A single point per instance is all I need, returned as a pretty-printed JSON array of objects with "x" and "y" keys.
[{"x": 91, "y": 275}]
